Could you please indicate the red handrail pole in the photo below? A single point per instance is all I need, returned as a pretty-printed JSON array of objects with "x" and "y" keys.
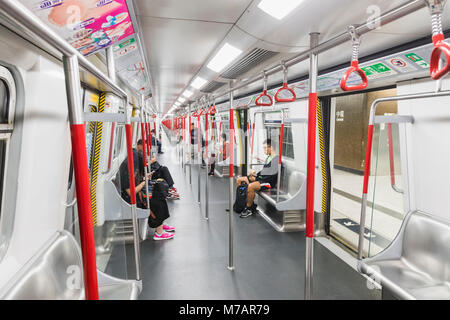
[
  {"x": 198, "y": 134},
  {"x": 365, "y": 189},
  {"x": 130, "y": 163},
  {"x": 189, "y": 130},
  {"x": 231, "y": 190},
  {"x": 231, "y": 144},
  {"x": 144, "y": 142},
  {"x": 311, "y": 167},
  {"x": 391, "y": 154},
  {"x": 81, "y": 172},
  {"x": 206, "y": 134}
]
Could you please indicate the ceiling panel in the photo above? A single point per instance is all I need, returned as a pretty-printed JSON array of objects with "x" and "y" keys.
[
  {"x": 177, "y": 49},
  {"x": 181, "y": 36},
  {"x": 329, "y": 17},
  {"x": 207, "y": 10}
]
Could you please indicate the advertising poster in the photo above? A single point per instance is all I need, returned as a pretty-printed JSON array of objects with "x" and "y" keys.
[{"x": 88, "y": 25}]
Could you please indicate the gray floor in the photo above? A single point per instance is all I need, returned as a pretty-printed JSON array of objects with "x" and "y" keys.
[{"x": 268, "y": 264}]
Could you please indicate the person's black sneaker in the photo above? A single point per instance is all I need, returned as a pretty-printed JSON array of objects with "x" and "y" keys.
[
  {"x": 246, "y": 213},
  {"x": 253, "y": 208},
  {"x": 210, "y": 173},
  {"x": 161, "y": 152}
]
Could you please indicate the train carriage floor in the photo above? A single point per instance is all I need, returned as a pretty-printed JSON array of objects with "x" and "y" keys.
[{"x": 268, "y": 264}]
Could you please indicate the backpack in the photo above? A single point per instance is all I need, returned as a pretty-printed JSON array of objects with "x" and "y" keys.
[
  {"x": 160, "y": 189},
  {"x": 241, "y": 198}
]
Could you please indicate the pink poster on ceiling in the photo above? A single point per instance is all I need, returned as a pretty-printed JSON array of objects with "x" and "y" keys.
[{"x": 88, "y": 25}]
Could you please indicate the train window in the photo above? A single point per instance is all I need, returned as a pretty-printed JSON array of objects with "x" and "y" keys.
[
  {"x": 4, "y": 108},
  {"x": 288, "y": 143},
  {"x": 118, "y": 142},
  {"x": 4, "y": 111}
]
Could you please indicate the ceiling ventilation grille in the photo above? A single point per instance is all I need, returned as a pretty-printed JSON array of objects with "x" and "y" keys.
[
  {"x": 251, "y": 60},
  {"x": 212, "y": 86}
]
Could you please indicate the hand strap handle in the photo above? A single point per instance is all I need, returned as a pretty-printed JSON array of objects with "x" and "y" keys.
[
  {"x": 285, "y": 88},
  {"x": 440, "y": 46},
  {"x": 354, "y": 66},
  {"x": 264, "y": 94}
]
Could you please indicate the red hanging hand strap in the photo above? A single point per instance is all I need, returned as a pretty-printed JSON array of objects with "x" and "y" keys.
[
  {"x": 354, "y": 67},
  {"x": 264, "y": 94},
  {"x": 285, "y": 88},
  {"x": 436, "y": 8}
]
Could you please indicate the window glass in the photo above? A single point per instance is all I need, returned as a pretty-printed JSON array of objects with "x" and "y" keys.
[
  {"x": 288, "y": 144},
  {"x": 4, "y": 102},
  {"x": 4, "y": 110},
  {"x": 118, "y": 142}
]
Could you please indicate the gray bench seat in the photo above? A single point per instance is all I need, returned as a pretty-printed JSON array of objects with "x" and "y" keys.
[
  {"x": 416, "y": 265},
  {"x": 56, "y": 273},
  {"x": 117, "y": 209}
]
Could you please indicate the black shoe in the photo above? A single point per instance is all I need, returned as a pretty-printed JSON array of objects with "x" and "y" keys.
[
  {"x": 253, "y": 208},
  {"x": 211, "y": 174},
  {"x": 246, "y": 213},
  {"x": 160, "y": 152}
]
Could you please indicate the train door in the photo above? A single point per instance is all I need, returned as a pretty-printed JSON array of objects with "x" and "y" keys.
[{"x": 348, "y": 128}]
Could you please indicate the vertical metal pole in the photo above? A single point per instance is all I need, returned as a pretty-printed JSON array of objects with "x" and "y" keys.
[
  {"x": 280, "y": 156},
  {"x": 199, "y": 151},
  {"x": 184, "y": 144},
  {"x": 313, "y": 71},
  {"x": 207, "y": 164},
  {"x": 362, "y": 221},
  {"x": 190, "y": 145},
  {"x": 148, "y": 155},
  {"x": 81, "y": 172},
  {"x": 230, "y": 203},
  {"x": 111, "y": 64},
  {"x": 137, "y": 254},
  {"x": 144, "y": 150}
]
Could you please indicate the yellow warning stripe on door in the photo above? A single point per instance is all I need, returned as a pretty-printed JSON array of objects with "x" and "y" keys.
[
  {"x": 322, "y": 157},
  {"x": 97, "y": 130}
]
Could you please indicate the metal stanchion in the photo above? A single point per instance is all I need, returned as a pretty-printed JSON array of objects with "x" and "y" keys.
[
  {"x": 230, "y": 204},
  {"x": 199, "y": 151},
  {"x": 190, "y": 145},
  {"x": 144, "y": 150},
  {"x": 280, "y": 155},
  {"x": 78, "y": 138},
  {"x": 309, "y": 256}
]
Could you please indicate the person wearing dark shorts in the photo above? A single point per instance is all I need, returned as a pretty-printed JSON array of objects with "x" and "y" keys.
[
  {"x": 265, "y": 179},
  {"x": 159, "y": 211}
]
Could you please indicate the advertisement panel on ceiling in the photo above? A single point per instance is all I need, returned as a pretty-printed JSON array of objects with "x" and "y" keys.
[{"x": 88, "y": 25}]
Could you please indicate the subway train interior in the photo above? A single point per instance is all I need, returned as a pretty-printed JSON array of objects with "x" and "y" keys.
[{"x": 224, "y": 150}]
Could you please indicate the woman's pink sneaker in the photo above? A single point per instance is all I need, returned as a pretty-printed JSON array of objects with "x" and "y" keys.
[
  {"x": 168, "y": 228},
  {"x": 163, "y": 236}
]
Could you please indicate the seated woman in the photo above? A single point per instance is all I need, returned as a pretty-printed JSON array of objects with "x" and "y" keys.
[
  {"x": 160, "y": 171},
  {"x": 159, "y": 211},
  {"x": 266, "y": 178}
]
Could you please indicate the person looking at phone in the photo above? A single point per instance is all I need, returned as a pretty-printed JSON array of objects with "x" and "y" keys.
[
  {"x": 159, "y": 171},
  {"x": 264, "y": 179}
]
